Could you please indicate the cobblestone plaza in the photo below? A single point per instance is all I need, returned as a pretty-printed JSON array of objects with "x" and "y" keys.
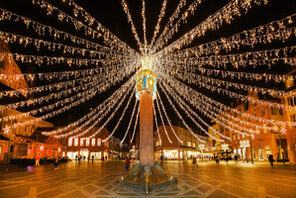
[{"x": 100, "y": 180}]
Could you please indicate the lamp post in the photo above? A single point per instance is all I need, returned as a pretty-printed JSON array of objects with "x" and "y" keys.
[{"x": 201, "y": 147}]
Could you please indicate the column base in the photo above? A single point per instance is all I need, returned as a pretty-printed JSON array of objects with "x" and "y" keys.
[{"x": 147, "y": 177}]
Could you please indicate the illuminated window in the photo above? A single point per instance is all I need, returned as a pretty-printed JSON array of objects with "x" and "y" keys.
[
  {"x": 99, "y": 142},
  {"x": 233, "y": 136},
  {"x": 193, "y": 145},
  {"x": 238, "y": 136},
  {"x": 188, "y": 143},
  {"x": 87, "y": 142},
  {"x": 93, "y": 141},
  {"x": 81, "y": 142},
  {"x": 76, "y": 142},
  {"x": 70, "y": 142}
]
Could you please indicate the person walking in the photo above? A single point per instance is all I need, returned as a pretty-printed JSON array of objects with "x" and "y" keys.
[
  {"x": 37, "y": 161},
  {"x": 270, "y": 159},
  {"x": 217, "y": 160},
  {"x": 284, "y": 158},
  {"x": 194, "y": 163},
  {"x": 56, "y": 164},
  {"x": 236, "y": 159},
  {"x": 92, "y": 159},
  {"x": 127, "y": 163}
]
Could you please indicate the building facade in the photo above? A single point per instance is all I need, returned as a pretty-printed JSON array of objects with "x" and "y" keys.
[
  {"x": 174, "y": 149},
  {"x": 290, "y": 115},
  {"x": 88, "y": 147}
]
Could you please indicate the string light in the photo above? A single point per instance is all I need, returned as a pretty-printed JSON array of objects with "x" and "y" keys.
[
  {"x": 156, "y": 125},
  {"x": 183, "y": 121},
  {"x": 144, "y": 23},
  {"x": 193, "y": 98},
  {"x": 213, "y": 22},
  {"x": 97, "y": 121},
  {"x": 160, "y": 17},
  {"x": 130, "y": 20},
  {"x": 135, "y": 126},
  {"x": 130, "y": 122},
  {"x": 122, "y": 114},
  {"x": 190, "y": 10},
  {"x": 182, "y": 104},
  {"x": 162, "y": 121},
  {"x": 105, "y": 107},
  {"x": 169, "y": 24},
  {"x": 167, "y": 117}
]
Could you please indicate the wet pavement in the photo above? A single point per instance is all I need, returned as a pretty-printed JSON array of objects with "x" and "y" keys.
[{"x": 100, "y": 180}]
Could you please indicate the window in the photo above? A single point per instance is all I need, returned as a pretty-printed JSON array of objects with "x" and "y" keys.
[
  {"x": 76, "y": 142},
  {"x": 70, "y": 142},
  {"x": 263, "y": 112},
  {"x": 99, "y": 142},
  {"x": 193, "y": 145},
  {"x": 293, "y": 118},
  {"x": 280, "y": 111},
  {"x": 81, "y": 142},
  {"x": 238, "y": 136},
  {"x": 87, "y": 142},
  {"x": 188, "y": 143},
  {"x": 93, "y": 141},
  {"x": 233, "y": 136},
  {"x": 272, "y": 110},
  {"x": 292, "y": 101}
]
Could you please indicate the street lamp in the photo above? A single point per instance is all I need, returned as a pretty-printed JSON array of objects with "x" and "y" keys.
[{"x": 202, "y": 147}]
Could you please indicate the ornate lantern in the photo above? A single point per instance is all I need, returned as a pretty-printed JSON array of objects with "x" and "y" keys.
[{"x": 146, "y": 81}]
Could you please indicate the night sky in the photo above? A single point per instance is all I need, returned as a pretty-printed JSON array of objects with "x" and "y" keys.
[{"x": 111, "y": 15}]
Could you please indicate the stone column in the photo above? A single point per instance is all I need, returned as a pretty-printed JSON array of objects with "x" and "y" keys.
[{"x": 146, "y": 129}]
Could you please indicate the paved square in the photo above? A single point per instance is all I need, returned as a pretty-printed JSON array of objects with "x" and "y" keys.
[{"x": 100, "y": 180}]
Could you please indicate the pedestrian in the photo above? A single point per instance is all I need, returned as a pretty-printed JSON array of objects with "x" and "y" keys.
[
  {"x": 92, "y": 159},
  {"x": 194, "y": 162},
  {"x": 284, "y": 158},
  {"x": 217, "y": 160},
  {"x": 76, "y": 158},
  {"x": 127, "y": 163},
  {"x": 161, "y": 157},
  {"x": 56, "y": 164},
  {"x": 236, "y": 159},
  {"x": 84, "y": 157},
  {"x": 270, "y": 158},
  {"x": 37, "y": 161}
]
